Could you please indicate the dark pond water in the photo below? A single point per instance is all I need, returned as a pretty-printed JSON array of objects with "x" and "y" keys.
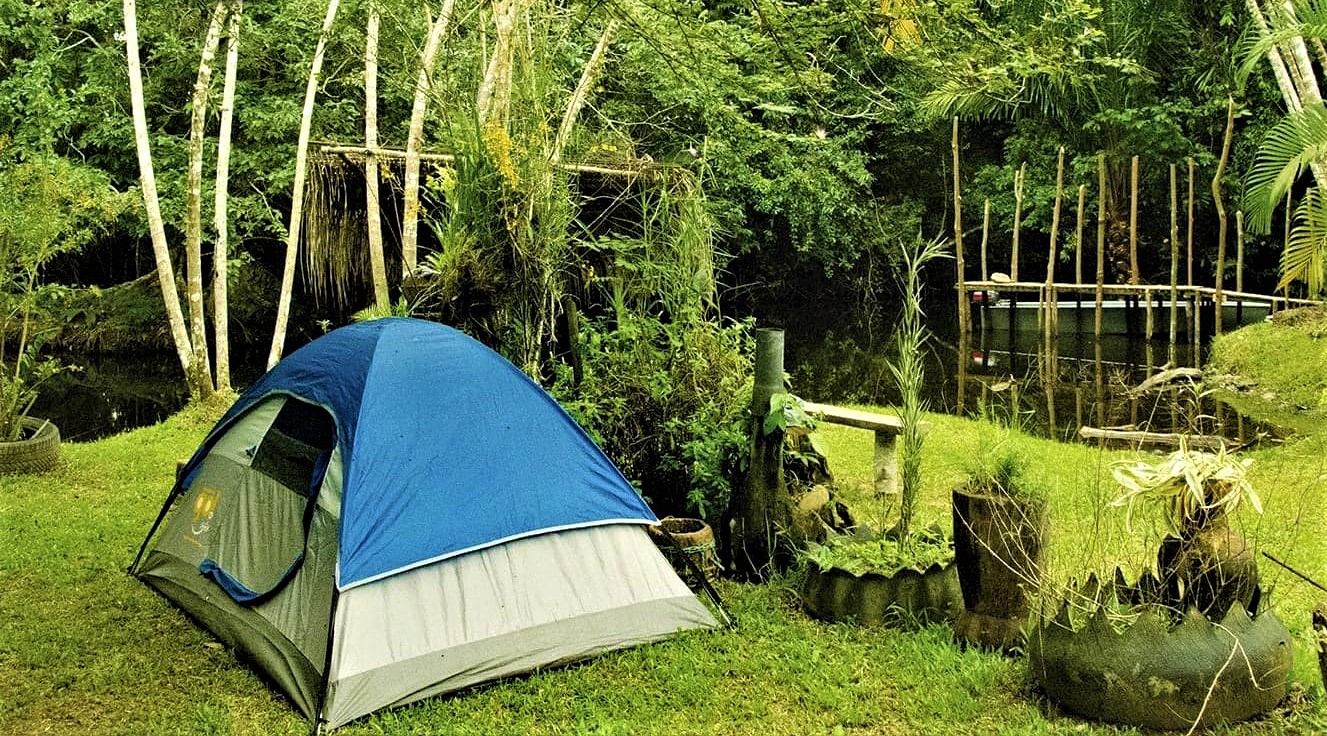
[{"x": 1053, "y": 390}]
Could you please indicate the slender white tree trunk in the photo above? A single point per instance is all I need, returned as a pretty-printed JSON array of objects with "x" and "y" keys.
[
  {"x": 297, "y": 190},
  {"x": 220, "y": 214},
  {"x": 415, "y": 138},
  {"x": 193, "y": 226},
  {"x": 495, "y": 89},
  {"x": 151, "y": 203},
  {"x": 373, "y": 210},
  {"x": 582, "y": 92}
]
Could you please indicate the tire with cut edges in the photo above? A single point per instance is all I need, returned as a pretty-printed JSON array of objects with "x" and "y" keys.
[{"x": 39, "y": 452}]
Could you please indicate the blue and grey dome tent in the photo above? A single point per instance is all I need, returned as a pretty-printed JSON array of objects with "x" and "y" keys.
[{"x": 395, "y": 511}]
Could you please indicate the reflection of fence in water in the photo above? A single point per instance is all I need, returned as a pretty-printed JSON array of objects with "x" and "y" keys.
[{"x": 1089, "y": 389}]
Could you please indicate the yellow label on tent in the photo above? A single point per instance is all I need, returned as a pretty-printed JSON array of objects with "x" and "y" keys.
[{"x": 205, "y": 506}]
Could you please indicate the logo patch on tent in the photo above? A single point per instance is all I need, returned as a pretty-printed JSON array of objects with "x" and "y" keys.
[{"x": 205, "y": 507}]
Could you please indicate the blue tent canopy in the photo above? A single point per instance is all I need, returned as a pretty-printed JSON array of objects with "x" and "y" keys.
[{"x": 446, "y": 447}]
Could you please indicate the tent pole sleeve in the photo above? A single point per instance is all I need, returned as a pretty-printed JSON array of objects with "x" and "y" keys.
[
  {"x": 161, "y": 516},
  {"x": 318, "y": 720}
]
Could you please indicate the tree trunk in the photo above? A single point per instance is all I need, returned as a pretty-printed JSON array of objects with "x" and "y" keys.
[
  {"x": 221, "y": 219},
  {"x": 373, "y": 214},
  {"x": 1219, "y": 298},
  {"x": 410, "y": 215},
  {"x": 193, "y": 226},
  {"x": 582, "y": 91},
  {"x": 495, "y": 89},
  {"x": 297, "y": 190},
  {"x": 761, "y": 509},
  {"x": 152, "y": 205}
]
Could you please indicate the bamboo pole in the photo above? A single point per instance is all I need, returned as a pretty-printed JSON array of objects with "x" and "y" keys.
[
  {"x": 1134, "y": 277},
  {"x": 373, "y": 213},
  {"x": 220, "y": 204},
  {"x": 1189, "y": 231},
  {"x": 297, "y": 190},
  {"x": 1220, "y": 277},
  {"x": 1174, "y": 262},
  {"x": 964, "y": 317},
  {"x": 1018, "y": 219},
  {"x": 985, "y": 236},
  {"x": 1239, "y": 250},
  {"x": 1101, "y": 238},
  {"x": 1052, "y": 299},
  {"x": 1078, "y": 234}
]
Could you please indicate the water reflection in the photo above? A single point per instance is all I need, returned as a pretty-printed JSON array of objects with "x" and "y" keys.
[{"x": 1053, "y": 385}]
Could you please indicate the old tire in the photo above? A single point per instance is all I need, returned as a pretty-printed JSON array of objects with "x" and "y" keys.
[
  {"x": 905, "y": 598},
  {"x": 998, "y": 543},
  {"x": 1157, "y": 676},
  {"x": 38, "y": 451}
]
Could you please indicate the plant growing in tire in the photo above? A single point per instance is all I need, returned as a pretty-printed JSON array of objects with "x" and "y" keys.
[
  {"x": 1188, "y": 647},
  {"x": 903, "y": 574},
  {"x": 48, "y": 206},
  {"x": 1000, "y": 532}
]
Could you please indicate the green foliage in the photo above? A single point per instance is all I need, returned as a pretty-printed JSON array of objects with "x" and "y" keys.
[
  {"x": 1191, "y": 487},
  {"x": 882, "y": 556},
  {"x": 1001, "y": 468},
  {"x": 804, "y": 460},
  {"x": 668, "y": 402},
  {"x": 48, "y": 206}
]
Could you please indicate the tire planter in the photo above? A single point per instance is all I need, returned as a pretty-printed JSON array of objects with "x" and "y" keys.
[
  {"x": 38, "y": 451},
  {"x": 1160, "y": 676},
  {"x": 904, "y": 598},
  {"x": 681, "y": 539},
  {"x": 998, "y": 543}
]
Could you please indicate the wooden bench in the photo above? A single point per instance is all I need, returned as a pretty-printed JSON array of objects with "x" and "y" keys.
[{"x": 886, "y": 429}]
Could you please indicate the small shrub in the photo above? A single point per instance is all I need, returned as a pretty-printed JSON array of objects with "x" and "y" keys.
[{"x": 668, "y": 403}]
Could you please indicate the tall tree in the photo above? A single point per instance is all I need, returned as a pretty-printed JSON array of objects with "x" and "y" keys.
[
  {"x": 196, "y": 378},
  {"x": 297, "y": 189},
  {"x": 415, "y": 137},
  {"x": 373, "y": 216},
  {"x": 221, "y": 203},
  {"x": 193, "y": 229}
]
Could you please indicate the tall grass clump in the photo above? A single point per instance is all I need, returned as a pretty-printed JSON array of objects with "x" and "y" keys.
[{"x": 908, "y": 367}]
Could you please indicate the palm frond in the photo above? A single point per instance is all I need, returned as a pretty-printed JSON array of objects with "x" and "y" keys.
[
  {"x": 1305, "y": 256},
  {"x": 1299, "y": 139}
]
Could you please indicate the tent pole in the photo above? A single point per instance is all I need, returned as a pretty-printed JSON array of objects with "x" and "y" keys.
[{"x": 318, "y": 719}]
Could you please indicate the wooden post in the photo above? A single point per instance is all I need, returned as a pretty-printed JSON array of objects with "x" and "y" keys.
[
  {"x": 985, "y": 236},
  {"x": 1219, "y": 298},
  {"x": 760, "y": 507},
  {"x": 1189, "y": 234},
  {"x": 1101, "y": 238},
  {"x": 1174, "y": 263},
  {"x": 1018, "y": 220},
  {"x": 1052, "y": 298},
  {"x": 964, "y": 314},
  {"x": 1239, "y": 250},
  {"x": 1133, "y": 222},
  {"x": 1078, "y": 234}
]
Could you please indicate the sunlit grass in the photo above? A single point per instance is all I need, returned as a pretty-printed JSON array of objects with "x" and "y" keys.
[{"x": 86, "y": 649}]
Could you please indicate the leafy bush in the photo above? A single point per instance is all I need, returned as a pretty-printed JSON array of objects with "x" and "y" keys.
[{"x": 668, "y": 403}]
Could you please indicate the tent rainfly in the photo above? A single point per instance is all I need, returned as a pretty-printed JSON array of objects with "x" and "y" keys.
[{"x": 395, "y": 511}]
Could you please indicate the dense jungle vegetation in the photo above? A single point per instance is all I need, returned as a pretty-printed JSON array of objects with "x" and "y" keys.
[{"x": 609, "y": 190}]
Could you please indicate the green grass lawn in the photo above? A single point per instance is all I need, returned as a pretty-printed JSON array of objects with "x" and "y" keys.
[{"x": 85, "y": 649}]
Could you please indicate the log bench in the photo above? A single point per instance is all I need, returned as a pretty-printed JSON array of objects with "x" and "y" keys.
[{"x": 886, "y": 429}]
